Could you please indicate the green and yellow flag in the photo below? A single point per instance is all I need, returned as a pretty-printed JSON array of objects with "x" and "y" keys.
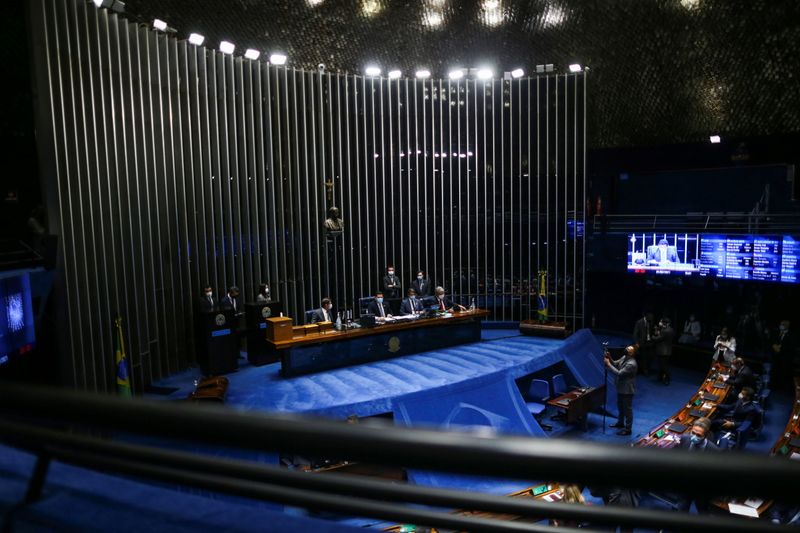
[{"x": 123, "y": 377}]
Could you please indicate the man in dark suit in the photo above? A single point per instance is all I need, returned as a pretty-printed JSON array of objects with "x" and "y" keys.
[
  {"x": 663, "y": 253},
  {"x": 379, "y": 308},
  {"x": 421, "y": 285},
  {"x": 391, "y": 284},
  {"x": 642, "y": 336},
  {"x": 324, "y": 313},
  {"x": 445, "y": 304},
  {"x": 662, "y": 346},
  {"x": 698, "y": 440},
  {"x": 787, "y": 355},
  {"x": 732, "y": 416},
  {"x": 624, "y": 369},
  {"x": 741, "y": 376},
  {"x": 230, "y": 301},
  {"x": 207, "y": 303},
  {"x": 411, "y": 305}
]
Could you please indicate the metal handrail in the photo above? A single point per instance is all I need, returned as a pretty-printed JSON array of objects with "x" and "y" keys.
[
  {"x": 736, "y": 222},
  {"x": 500, "y": 456}
]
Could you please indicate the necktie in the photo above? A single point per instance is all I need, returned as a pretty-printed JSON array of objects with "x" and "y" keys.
[
  {"x": 380, "y": 306},
  {"x": 441, "y": 305}
]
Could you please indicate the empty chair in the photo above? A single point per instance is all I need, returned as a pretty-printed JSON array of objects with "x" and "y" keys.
[
  {"x": 538, "y": 393},
  {"x": 559, "y": 385}
]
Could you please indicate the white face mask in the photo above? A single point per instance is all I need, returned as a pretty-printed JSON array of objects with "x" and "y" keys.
[
  {"x": 741, "y": 397},
  {"x": 208, "y": 295},
  {"x": 419, "y": 276},
  {"x": 440, "y": 296},
  {"x": 391, "y": 272}
]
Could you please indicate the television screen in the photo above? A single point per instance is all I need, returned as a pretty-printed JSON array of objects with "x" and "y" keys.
[
  {"x": 16, "y": 316},
  {"x": 748, "y": 257},
  {"x": 664, "y": 253}
]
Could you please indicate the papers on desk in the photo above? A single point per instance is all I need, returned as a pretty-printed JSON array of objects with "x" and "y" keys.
[
  {"x": 755, "y": 503},
  {"x": 553, "y": 497},
  {"x": 708, "y": 405},
  {"x": 794, "y": 455},
  {"x": 744, "y": 510}
]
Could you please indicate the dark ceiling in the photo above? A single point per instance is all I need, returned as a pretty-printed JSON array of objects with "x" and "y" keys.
[{"x": 662, "y": 71}]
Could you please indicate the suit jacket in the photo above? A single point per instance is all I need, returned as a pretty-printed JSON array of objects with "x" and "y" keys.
[
  {"x": 319, "y": 316},
  {"x": 391, "y": 292},
  {"x": 654, "y": 254},
  {"x": 686, "y": 443},
  {"x": 743, "y": 378},
  {"x": 205, "y": 306},
  {"x": 640, "y": 331},
  {"x": 448, "y": 303},
  {"x": 663, "y": 341},
  {"x": 374, "y": 308},
  {"x": 739, "y": 412},
  {"x": 408, "y": 308},
  {"x": 227, "y": 303},
  {"x": 422, "y": 287},
  {"x": 625, "y": 369}
]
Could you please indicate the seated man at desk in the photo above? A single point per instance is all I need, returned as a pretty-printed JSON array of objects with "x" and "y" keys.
[
  {"x": 379, "y": 308},
  {"x": 663, "y": 253},
  {"x": 733, "y": 415},
  {"x": 323, "y": 314},
  {"x": 412, "y": 305},
  {"x": 445, "y": 304},
  {"x": 741, "y": 376}
]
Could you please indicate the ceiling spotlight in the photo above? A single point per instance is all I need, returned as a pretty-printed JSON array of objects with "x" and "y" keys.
[
  {"x": 113, "y": 5},
  {"x": 575, "y": 67},
  {"x": 715, "y": 139},
  {"x": 372, "y": 71},
  {"x": 159, "y": 25},
  {"x": 394, "y": 74},
  {"x": 226, "y": 47},
  {"x": 252, "y": 53},
  {"x": 485, "y": 73},
  {"x": 423, "y": 73},
  {"x": 277, "y": 58},
  {"x": 196, "y": 39},
  {"x": 456, "y": 74},
  {"x": 517, "y": 73}
]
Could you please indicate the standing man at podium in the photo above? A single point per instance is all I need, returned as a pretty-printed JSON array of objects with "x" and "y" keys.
[
  {"x": 411, "y": 305},
  {"x": 230, "y": 300},
  {"x": 206, "y": 302},
  {"x": 323, "y": 314}
]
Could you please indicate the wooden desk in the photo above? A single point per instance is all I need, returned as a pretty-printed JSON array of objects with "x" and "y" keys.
[
  {"x": 333, "y": 349},
  {"x": 579, "y": 402},
  {"x": 715, "y": 384},
  {"x": 550, "y": 492}
]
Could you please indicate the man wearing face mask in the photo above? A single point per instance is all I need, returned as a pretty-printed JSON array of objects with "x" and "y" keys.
[
  {"x": 391, "y": 283},
  {"x": 207, "y": 303},
  {"x": 378, "y": 308},
  {"x": 411, "y": 305},
  {"x": 731, "y": 416},
  {"x": 698, "y": 440},
  {"x": 625, "y": 369},
  {"x": 324, "y": 313},
  {"x": 691, "y": 331},
  {"x": 421, "y": 285},
  {"x": 443, "y": 303},
  {"x": 724, "y": 347}
]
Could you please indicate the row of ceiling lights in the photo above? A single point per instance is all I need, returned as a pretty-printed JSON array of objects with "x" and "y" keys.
[{"x": 279, "y": 58}]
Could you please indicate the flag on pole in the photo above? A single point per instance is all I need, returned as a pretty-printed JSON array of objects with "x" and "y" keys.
[
  {"x": 541, "y": 300},
  {"x": 123, "y": 378}
]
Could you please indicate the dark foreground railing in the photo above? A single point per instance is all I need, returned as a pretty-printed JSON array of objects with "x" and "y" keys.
[{"x": 62, "y": 425}]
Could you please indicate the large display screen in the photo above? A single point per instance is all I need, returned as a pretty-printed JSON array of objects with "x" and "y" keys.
[
  {"x": 748, "y": 257},
  {"x": 16, "y": 316}
]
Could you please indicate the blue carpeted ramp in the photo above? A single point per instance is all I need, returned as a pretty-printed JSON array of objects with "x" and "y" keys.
[
  {"x": 583, "y": 355},
  {"x": 493, "y": 406}
]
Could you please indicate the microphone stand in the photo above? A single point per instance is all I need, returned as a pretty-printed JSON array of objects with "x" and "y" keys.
[{"x": 605, "y": 389}]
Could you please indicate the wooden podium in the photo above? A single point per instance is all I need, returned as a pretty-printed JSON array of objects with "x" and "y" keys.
[{"x": 279, "y": 329}]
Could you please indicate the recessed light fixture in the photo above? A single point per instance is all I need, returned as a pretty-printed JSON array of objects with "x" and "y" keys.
[
  {"x": 196, "y": 39},
  {"x": 517, "y": 73},
  {"x": 423, "y": 73},
  {"x": 372, "y": 70},
  {"x": 394, "y": 74},
  {"x": 277, "y": 58},
  {"x": 715, "y": 139},
  {"x": 456, "y": 74},
  {"x": 252, "y": 53}
]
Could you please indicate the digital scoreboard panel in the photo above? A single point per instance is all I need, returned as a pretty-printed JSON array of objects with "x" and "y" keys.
[{"x": 747, "y": 257}]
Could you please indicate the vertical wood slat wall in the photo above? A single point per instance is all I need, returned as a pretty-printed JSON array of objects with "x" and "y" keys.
[{"x": 175, "y": 165}]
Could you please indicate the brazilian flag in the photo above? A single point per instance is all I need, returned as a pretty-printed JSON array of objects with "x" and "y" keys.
[{"x": 123, "y": 377}]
